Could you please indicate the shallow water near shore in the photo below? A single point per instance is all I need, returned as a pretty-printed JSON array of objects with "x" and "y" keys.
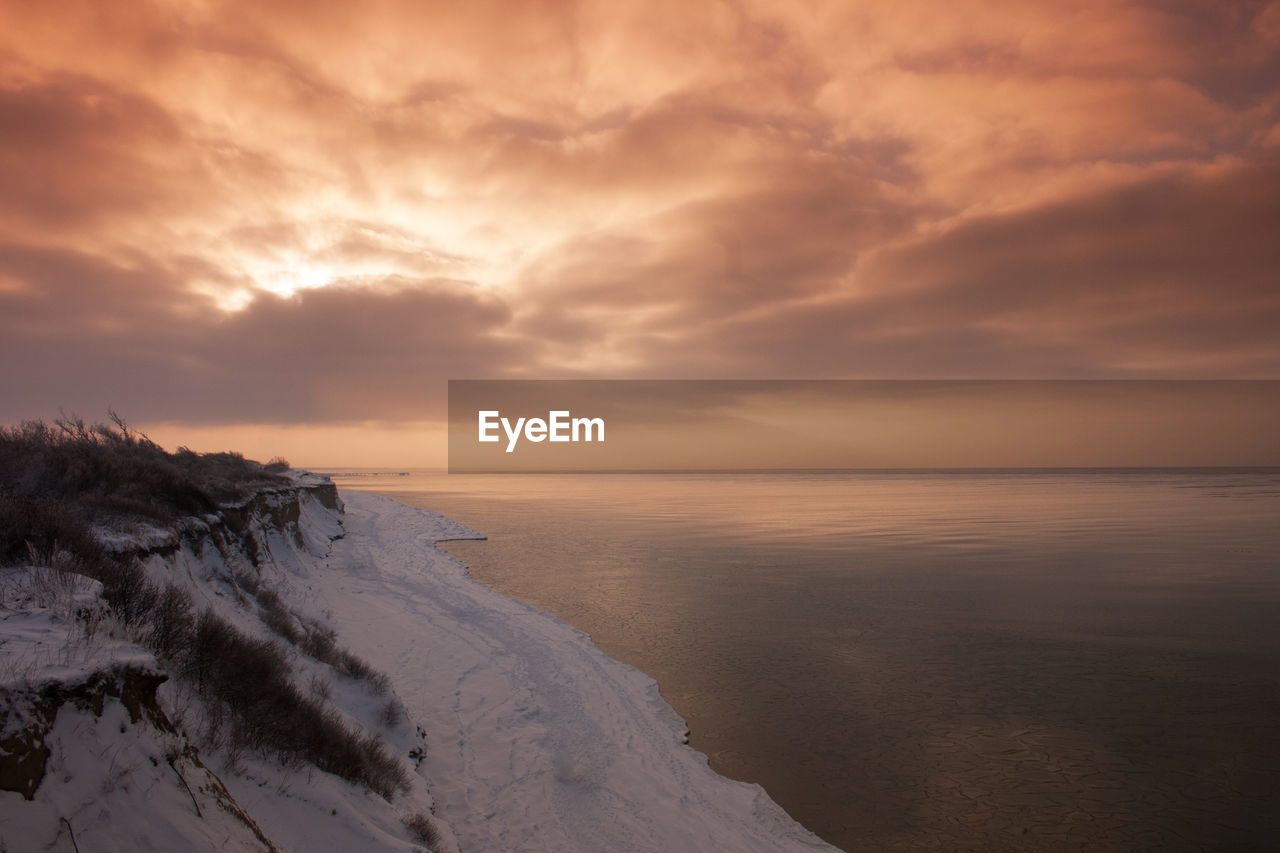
[{"x": 908, "y": 661}]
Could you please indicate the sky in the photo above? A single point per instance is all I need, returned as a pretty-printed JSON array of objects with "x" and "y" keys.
[{"x": 281, "y": 227}]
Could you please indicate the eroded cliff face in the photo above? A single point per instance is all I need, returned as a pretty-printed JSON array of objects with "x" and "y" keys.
[
  {"x": 99, "y": 760},
  {"x": 279, "y": 510},
  {"x": 243, "y": 530},
  {"x": 28, "y": 713},
  {"x": 87, "y": 748}
]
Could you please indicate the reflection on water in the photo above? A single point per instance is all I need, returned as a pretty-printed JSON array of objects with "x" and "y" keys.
[{"x": 998, "y": 661}]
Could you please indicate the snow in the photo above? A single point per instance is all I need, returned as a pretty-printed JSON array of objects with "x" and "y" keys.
[
  {"x": 103, "y": 771},
  {"x": 537, "y": 739},
  {"x": 307, "y": 478},
  {"x": 49, "y": 623},
  {"x": 109, "y": 781},
  {"x": 134, "y": 536}
]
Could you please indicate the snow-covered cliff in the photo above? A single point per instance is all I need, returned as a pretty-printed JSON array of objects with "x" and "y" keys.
[{"x": 505, "y": 728}]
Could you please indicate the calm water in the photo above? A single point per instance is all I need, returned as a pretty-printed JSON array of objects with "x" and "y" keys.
[{"x": 1008, "y": 661}]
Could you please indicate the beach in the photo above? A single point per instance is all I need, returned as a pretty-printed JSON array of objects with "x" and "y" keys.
[
  {"x": 537, "y": 739},
  {"x": 923, "y": 661}
]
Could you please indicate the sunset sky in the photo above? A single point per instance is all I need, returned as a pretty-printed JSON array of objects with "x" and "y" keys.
[{"x": 281, "y": 227}]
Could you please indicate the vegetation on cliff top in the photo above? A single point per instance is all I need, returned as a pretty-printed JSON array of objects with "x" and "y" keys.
[
  {"x": 111, "y": 469},
  {"x": 58, "y": 482}
]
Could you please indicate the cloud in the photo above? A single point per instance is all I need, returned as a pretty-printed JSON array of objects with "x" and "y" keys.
[
  {"x": 1168, "y": 277},
  {"x": 74, "y": 149},
  {"x": 285, "y": 211},
  {"x": 81, "y": 332}
]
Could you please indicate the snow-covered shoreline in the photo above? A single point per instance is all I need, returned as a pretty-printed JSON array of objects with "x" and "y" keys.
[
  {"x": 537, "y": 739},
  {"x": 483, "y": 724}
]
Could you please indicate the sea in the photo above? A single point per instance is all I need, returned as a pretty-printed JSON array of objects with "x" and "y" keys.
[{"x": 928, "y": 660}]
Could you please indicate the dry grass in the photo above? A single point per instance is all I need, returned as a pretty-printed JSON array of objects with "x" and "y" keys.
[
  {"x": 423, "y": 828},
  {"x": 55, "y": 481}
]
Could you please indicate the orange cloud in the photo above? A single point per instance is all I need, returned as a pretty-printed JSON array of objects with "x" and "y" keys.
[{"x": 283, "y": 212}]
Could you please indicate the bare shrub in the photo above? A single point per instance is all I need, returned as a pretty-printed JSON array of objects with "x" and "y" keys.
[
  {"x": 127, "y": 591},
  {"x": 383, "y": 772},
  {"x": 53, "y": 588},
  {"x": 279, "y": 619},
  {"x": 379, "y": 683},
  {"x": 319, "y": 643},
  {"x": 356, "y": 667},
  {"x": 171, "y": 622},
  {"x": 211, "y": 638},
  {"x": 392, "y": 713},
  {"x": 321, "y": 688},
  {"x": 40, "y": 530},
  {"x": 248, "y": 582},
  {"x": 268, "y": 713},
  {"x": 267, "y": 597},
  {"x": 423, "y": 828},
  {"x": 110, "y": 469}
]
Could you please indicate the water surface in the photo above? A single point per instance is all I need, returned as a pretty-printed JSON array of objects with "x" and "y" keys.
[{"x": 930, "y": 661}]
